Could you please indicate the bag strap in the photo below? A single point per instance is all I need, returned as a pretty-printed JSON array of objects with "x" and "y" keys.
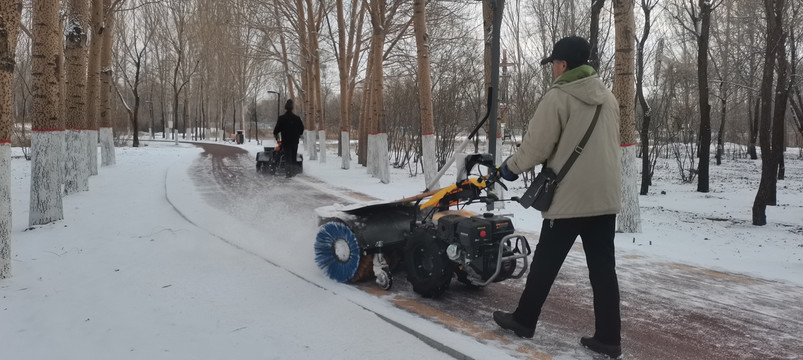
[{"x": 579, "y": 149}]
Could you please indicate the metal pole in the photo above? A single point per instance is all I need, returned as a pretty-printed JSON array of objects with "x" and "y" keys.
[
  {"x": 498, "y": 7},
  {"x": 278, "y": 111},
  {"x": 256, "y": 120}
]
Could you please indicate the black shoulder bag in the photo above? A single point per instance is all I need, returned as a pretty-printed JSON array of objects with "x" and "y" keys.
[{"x": 540, "y": 193}]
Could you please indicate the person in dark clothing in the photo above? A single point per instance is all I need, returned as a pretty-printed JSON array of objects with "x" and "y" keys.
[
  {"x": 288, "y": 130},
  {"x": 585, "y": 202}
]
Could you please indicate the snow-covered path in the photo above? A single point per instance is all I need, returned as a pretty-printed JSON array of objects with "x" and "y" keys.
[
  {"x": 126, "y": 276},
  {"x": 671, "y": 310}
]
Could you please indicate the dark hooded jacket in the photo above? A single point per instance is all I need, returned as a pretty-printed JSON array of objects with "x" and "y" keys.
[{"x": 290, "y": 126}]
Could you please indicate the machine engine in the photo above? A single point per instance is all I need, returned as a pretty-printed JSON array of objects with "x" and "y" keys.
[{"x": 474, "y": 243}]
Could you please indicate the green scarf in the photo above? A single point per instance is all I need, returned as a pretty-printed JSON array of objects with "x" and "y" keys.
[{"x": 582, "y": 71}]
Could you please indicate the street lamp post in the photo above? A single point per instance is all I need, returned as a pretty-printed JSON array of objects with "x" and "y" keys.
[
  {"x": 278, "y": 112},
  {"x": 256, "y": 118}
]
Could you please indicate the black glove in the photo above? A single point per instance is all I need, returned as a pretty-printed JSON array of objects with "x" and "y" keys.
[{"x": 506, "y": 174}]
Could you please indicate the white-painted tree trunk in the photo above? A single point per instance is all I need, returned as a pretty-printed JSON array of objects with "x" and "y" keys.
[
  {"x": 345, "y": 150},
  {"x": 46, "y": 177},
  {"x": 309, "y": 144},
  {"x": 5, "y": 210},
  {"x": 629, "y": 219},
  {"x": 429, "y": 159},
  {"x": 383, "y": 167},
  {"x": 92, "y": 148},
  {"x": 61, "y": 158},
  {"x": 370, "y": 157},
  {"x": 107, "y": 147},
  {"x": 76, "y": 164},
  {"x": 322, "y": 146}
]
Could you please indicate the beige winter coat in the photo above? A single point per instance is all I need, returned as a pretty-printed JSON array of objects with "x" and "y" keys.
[{"x": 593, "y": 184}]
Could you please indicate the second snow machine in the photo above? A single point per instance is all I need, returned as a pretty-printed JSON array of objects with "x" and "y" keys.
[{"x": 435, "y": 238}]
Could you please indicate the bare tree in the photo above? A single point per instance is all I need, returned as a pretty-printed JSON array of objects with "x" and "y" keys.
[
  {"x": 10, "y": 14},
  {"x": 381, "y": 15},
  {"x": 723, "y": 70},
  {"x": 48, "y": 125},
  {"x": 134, "y": 37},
  {"x": 348, "y": 54},
  {"x": 771, "y": 127},
  {"x": 795, "y": 96},
  {"x": 183, "y": 68},
  {"x": 702, "y": 27},
  {"x": 646, "y": 169}
]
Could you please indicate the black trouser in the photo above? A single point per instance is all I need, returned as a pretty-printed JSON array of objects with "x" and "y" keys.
[
  {"x": 290, "y": 155},
  {"x": 557, "y": 238}
]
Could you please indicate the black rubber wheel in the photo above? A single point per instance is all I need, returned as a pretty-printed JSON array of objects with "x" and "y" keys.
[
  {"x": 429, "y": 270},
  {"x": 384, "y": 280}
]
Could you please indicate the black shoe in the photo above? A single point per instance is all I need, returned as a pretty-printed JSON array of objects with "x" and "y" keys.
[
  {"x": 613, "y": 351},
  {"x": 507, "y": 322}
]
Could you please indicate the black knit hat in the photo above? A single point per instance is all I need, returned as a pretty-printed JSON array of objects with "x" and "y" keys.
[
  {"x": 574, "y": 50},
  {"x": 289, "y": 104}
]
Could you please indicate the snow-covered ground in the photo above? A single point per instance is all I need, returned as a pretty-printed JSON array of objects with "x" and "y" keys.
[{"x": 143, "y": 268}]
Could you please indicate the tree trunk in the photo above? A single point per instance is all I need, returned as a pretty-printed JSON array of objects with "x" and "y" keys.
[
  {"x": 596, "y": 9},
  {"x": 48, "y": 125},
  {"x": 106, "y": 133},
  {"x": 75, "y": 56},
  {"x": 10, "y": 14},
  {"x": 93, "y": 93},
  {"x": 724, "y": 92},
  {"x": 379, "y": 151},
  {"x": 646, "y": 173},
  {"x": 315, "y": 90},
  {"x": 356, "y": 48},
  {"x": 428, "y": 146},
  {"x": 779, "y": 116},
  {"x": 629, "y": 219},
  {"x": 769, "y": 164},
  {"x": 705, "y": 105},
  {"x": 345, "y": 99},
  {"x": 304, "y": 92},
  {"x": 365, "y": 111},
  {"x": 753, "y": 125},
  {"x": 722, "y": 113}
]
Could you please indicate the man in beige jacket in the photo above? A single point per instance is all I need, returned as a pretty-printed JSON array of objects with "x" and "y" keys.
[{"x": 586, "y": 200}]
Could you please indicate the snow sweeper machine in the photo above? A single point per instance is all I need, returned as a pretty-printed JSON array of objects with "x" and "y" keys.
[{"x": 431, "y": 235}]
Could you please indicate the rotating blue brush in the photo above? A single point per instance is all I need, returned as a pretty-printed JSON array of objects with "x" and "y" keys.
[{"x": 336, "y": 251}]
